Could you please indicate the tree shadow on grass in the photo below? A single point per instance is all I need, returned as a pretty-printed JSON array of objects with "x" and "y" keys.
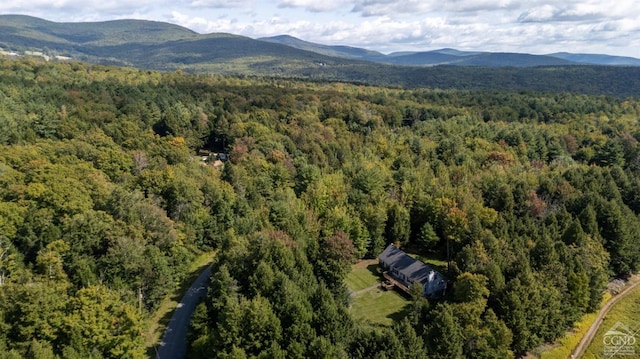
[
  {"x": 375, "y": 269},
  {"x": 400, "y": 314}
]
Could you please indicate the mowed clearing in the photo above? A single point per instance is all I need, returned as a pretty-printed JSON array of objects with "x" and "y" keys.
[{"x": 370, "y": 302}]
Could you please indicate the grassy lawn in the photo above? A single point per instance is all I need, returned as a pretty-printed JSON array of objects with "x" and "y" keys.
[
  {"x": 627, "y": 312},
  {"x": 379, "y": 306},
  {"x": 162, "y": 316},
  {"x": 376, "y": 305},
  {"x": 364, "y": 274}
]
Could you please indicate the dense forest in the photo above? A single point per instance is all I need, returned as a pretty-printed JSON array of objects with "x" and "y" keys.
[{"x": 104, "y": 201}]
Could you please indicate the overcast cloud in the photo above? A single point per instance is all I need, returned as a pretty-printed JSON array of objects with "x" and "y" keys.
[{"x": 533, "y": 26}]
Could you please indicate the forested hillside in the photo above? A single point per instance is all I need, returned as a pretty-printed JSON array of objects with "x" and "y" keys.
[
  {"x": 104, "y": 202},
  {"x": 166, "y": 47}
]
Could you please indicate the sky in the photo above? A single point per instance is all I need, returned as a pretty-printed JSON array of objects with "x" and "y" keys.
[{"x": 525, "y": 26}]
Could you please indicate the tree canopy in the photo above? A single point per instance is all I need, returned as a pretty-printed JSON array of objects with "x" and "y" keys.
[{"x": 533, "y": 198}]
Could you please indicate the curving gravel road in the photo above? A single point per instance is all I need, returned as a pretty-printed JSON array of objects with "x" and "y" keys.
[
  {"x": 588, "y": 337},
  {"x": 174, "y": 340}
]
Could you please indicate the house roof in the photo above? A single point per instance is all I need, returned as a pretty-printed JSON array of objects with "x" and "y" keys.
[{"x": 410, "y": 267}]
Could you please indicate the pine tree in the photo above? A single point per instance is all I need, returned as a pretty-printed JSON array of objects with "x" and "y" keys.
[{"x": 444, "y": 337}]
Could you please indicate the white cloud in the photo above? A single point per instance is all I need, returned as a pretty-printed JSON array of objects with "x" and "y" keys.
[
  {"x": 538, "y": 31},
  {"x": 392, "y": 7},
  {"x": 539, "y": 14},
  {"x": 537, "y": 26},
  {"x": 314, "y": 5},
  {"x": 83, "y": 10},
  {"x": 478, "y": 5},
  {"x": 220, "y": 3},
  {"x": 26, "y": 6}
]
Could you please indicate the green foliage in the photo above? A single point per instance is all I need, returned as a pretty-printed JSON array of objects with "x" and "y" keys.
[
  {"x": 427, "y": 236},
  {"x": 397, "y": 229},
  {"x": 531, "y": 197},
  {"x": 444, "y": 336},
  {"x": 335, "y": 257},
  {"x": 470, "y": 287},
  {"x": 97, "y": 319}
]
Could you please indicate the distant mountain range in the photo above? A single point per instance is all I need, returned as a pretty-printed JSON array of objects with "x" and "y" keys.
[
  {"x": 456, "y": 57},
  {"x": 163, "y": 46},
  {"x": 113, "y": 41}
]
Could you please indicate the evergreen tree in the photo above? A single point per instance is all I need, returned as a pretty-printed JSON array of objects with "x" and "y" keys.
[{"x": 444, "y": 336}]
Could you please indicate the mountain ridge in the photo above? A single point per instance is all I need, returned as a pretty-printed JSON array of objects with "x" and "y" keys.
[
  {"x": 601, "y": 59},
  {"x": 451, "y": 56},
  {"x": 28, "y": 31},
  {"x": 329, "y": 50},
  {"x": 151, "y": 45}
]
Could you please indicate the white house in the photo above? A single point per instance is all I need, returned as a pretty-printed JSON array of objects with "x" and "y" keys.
[{"x": 407, "y": 270}]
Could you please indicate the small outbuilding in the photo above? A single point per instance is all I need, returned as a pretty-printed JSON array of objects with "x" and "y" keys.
[{"x": 402, "y": 271}]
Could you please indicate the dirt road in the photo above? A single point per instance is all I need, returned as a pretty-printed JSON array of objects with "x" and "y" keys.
[{"x": 588, "y": 337}]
